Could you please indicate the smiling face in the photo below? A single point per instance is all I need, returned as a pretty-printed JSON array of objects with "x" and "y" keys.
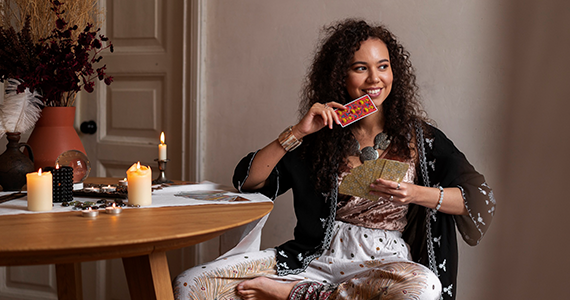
[{"x": 370, "y": 72}]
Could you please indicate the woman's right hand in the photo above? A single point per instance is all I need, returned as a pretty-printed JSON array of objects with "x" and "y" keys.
[{"x": 319, "y": 116}]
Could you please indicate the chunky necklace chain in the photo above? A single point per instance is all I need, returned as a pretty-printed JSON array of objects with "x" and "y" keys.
[{"x": 381, "y": 141}]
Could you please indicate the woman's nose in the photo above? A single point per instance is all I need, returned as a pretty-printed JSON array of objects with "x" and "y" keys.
[{"x": 373, "y": 76}]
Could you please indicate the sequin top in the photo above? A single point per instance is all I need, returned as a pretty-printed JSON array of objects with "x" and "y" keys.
[{"x": 381, "y": 214}]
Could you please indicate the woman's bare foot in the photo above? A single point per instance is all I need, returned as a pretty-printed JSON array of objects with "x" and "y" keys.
[{"x": 263, "y": 288}]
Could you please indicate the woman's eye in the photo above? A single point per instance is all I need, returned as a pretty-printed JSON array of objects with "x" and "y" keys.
[
  {"x": 361, "y": 68},
  {"x": 384, "y": 67}
]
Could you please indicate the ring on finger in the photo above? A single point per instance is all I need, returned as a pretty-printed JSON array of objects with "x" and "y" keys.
[
  {"x": 391, "y": 197},
  {"x": 398, "y": 187},
  {"x": 326, "y": 105}
]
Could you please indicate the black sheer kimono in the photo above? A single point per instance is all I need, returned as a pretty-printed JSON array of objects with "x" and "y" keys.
[{"x": 430, "y": 234}]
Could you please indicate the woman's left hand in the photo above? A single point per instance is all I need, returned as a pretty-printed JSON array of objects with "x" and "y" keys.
[
  {"x": 398, "y": 193},
  {"x": 406, "y": 193}
]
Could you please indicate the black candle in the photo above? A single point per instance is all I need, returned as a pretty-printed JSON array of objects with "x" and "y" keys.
[{"x": 62, "y": 183}]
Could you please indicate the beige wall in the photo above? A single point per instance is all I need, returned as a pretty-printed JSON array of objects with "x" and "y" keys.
[
  {"x": 531, "y": 256},
  {"x": 493, "y": 74},
  {"x": 258, "y": 52}
]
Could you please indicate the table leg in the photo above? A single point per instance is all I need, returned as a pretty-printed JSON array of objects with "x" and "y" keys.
[
  {"x": 68, "y": 278},
  {"x": 148, "y": 277}
]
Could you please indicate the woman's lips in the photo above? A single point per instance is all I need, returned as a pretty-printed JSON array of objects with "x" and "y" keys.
[{"x": 373, "y": 92}]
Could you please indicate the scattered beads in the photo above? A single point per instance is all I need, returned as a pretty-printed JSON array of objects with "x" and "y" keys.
[{"x": 102, "y": 203}]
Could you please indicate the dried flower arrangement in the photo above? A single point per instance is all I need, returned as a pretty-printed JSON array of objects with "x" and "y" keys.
[
  {"x": 56, "y": 64},
  {"x": 79, "y": 12}
]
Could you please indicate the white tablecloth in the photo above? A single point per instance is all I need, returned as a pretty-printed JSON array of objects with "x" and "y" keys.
[{"x": 164, "y": 197}]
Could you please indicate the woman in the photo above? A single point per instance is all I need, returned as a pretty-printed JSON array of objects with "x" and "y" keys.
[{"x": 350, "y": 247}]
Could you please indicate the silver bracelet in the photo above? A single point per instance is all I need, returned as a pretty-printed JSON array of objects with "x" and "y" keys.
[
  {"x": 288, "y": 140},
  {"x": 440, "y": 198}
]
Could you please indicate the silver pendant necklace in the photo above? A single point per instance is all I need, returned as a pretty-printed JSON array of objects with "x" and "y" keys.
[{"x": 381, "y": 141}]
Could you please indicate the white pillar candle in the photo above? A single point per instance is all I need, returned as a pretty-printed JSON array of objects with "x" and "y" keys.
[
  {"x": 40, "y": 191},
  {"x": 162, "y": 148},
  {"x": 139, "y": 185}
]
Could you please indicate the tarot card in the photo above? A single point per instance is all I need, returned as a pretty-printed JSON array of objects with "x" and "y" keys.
[
  {"x": 357, "y": 183},
  {"x": 378, "y": 167},
  {"x": 374, "y": 168},
  {"x": 349, "y": 185},
  {"x": 361, "y": 175},
  {"x": 394, "y": 170},
  {"x": 356, "y": 110},
  {"x": 208, "y": 195},
  {"x": 365, "y": 173}
]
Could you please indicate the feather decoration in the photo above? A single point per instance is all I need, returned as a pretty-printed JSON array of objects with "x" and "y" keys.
[{"x": 20, "y": 111}]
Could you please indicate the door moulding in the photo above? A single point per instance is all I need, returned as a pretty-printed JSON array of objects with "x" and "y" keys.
[{"x": 193, "y": 89}]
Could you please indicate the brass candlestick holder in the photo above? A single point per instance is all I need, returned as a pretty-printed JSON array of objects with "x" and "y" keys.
[{"x": 161, "y": 176}]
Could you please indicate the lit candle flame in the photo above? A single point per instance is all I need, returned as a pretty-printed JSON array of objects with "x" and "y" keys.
[
  {"x": 138, "y": 165},
  {"x": 57, "y": 166},
  {"x": 162, "y": 137},
  {"x": 40, "y": 172}
]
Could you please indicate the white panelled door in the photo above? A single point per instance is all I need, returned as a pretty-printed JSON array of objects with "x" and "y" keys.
[{"x": 146, "y": 95}]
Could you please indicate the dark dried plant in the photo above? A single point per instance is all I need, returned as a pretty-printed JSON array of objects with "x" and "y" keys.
[
  {"x": 59, "y": 64},
  {"x": 13, "y": 13}
]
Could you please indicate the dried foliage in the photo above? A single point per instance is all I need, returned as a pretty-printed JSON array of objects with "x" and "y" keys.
[
  {"x": 19, "y": 54},
  {"x": 13, "y": 13},
  {"x": 58, "y": 64}
]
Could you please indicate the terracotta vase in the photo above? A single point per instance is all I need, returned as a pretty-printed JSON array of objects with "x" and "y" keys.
[
  {"x": 54, "y": 134},
  {"x": 14, "y": 165}
]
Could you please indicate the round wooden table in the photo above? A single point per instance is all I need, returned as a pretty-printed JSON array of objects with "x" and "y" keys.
[{"x": 139, "y": 236}]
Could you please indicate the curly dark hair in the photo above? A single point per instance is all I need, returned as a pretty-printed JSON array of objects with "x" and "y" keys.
[{"x": 327, "y": 150}]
